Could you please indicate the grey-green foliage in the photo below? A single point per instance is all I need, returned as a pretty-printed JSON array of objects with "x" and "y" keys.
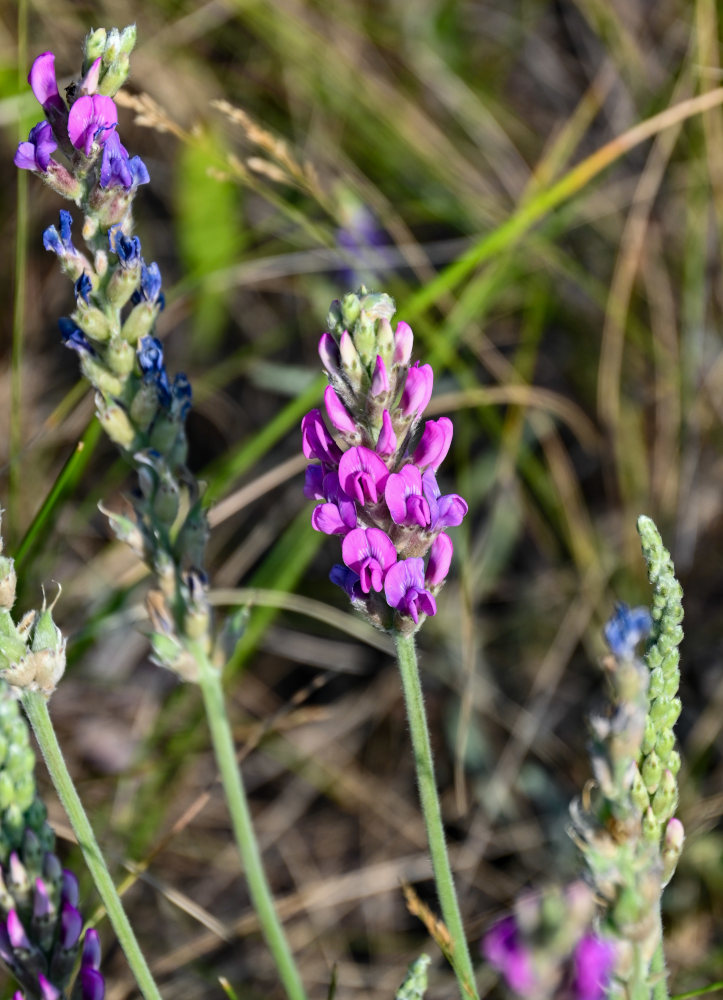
[{"x": 415, "y": 982}]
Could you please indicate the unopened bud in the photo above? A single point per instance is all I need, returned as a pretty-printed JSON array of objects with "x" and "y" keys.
[
  {"x": 95, "y": 44},
  {"x": 650, "y": 827},
  {"x": 120, "y": 356},
  {"x": 664, "y": 745},
  {"x": 123, "y": 282},
  {"x": 139, "y": 322},
  {"x": 651, "y": 771},
  {"x": 115, "y": 422},
  {"x": 8, "y": 582},
  {"x": 666, "y": 798},
  {"x": 93, "y": 322},
  {"x": 639, "y": 793},
  {"x": 672, "y": 847}
]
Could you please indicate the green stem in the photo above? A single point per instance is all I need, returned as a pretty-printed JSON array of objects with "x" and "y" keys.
[
  {"x": 657, "y": 969},
  {"x": 36, "y": 709},
  {"x": 263, "y": 902},
  {"x": 461, "y": 961}
]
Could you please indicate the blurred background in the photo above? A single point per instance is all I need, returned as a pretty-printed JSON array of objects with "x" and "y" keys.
[{"x": 561, "y": 268}]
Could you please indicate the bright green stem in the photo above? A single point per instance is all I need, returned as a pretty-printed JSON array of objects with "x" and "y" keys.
[
  {"x": 263, "y": 901},
  {"x": 36, "y": 709},
  {"x": 414, "y": 699},
  {"x": 657, "y": 969}
]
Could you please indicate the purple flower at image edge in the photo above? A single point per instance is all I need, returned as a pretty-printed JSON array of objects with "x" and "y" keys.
[
  {"x": 503, "y": 948},
  {"x": 593, "y": 963}
]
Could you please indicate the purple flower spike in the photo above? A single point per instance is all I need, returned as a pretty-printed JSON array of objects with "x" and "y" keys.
[
  {"x": 329, "y": 353},
  {"x": 16, "y": 932},
  {"x": 440, "y": 558},
  {"x": 91, "y": 950},
  {"x": 387, "y": 440},
  {"x": 69, "y": 890},
  {"x": 92, "y": 984},
  {"x": 90, "y": 120},
  {"x": 47, "y": 990},
  {"x": 503, "y": 948},
  {"x": 313, "y": 482},
  {"x": 417, "y": 390},
  {"x": 445, "y": 511},
  {"x": 403, "y": 342},
  {"x": 404, "y": 497},
  {"x": 337, "y": 412},
  {"x": 348, "y": 580},
  {"x": 369, "y": 552},
  {"x": 434, "y": 443},
  {"x": 363, "y": 475},
  {"x": 71, "y": 924},
  {"x": 404, "y": 589},
  {"x": 380, "y": 378},
  {"x": 43, "y": 83},
  {"x": 625, "y": 629},
  {"x": 118, "y": 170},
  {"x": 316, "y": 441},
  {"x": 593, "y": 961},
  {"x": 35, "y": 153}
]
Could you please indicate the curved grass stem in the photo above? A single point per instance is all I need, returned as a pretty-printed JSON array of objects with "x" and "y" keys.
[
  {"x": 261, "y": 897},
  {"x": 460, "y": 957},
  {"x": 36, "y": 709}
]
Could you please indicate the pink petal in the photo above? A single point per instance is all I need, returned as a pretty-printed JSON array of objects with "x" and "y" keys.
[
  {"x": 440, "y": 558},
  {"x": 338, "y": 413},
  {"x": 403, "y": 341},
  {"x": 387, "y": 440}
]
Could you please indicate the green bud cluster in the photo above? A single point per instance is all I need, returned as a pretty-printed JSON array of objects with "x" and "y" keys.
[
  {"x": 366, "y": 317},
  {"x": 415, "y": 982},
  {"x": 659, "y": 761},
  {"x": 113, "y": 48}
]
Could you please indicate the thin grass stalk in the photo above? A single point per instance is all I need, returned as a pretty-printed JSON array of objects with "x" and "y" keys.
[
  {"x": 210, "y": 681},
  {"x": 36, "y": 709},
  {"x": 414, "y": 699}
]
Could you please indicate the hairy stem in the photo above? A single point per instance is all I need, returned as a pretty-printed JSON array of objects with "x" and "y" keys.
[
  {"x": 461, "y": 961},
  {"x": 261, "y": 897},
  {"x": 36, "y": 709}
]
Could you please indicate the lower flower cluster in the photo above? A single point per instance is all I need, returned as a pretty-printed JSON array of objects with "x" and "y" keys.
[{"x": 375, "y": 476}]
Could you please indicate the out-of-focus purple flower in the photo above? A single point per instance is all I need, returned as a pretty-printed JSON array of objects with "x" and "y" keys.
[
  {"x": 329, "y": 353},
  {"x": 47, "y": 990},
  {"x": 626, "y": 628},
  {"x": 593, "y": 962},
  {"x": 417, "y": 390},
  {"x": 60, "y": 243},
  {"x": 150, "y": 290},
  {"x": 387, "y": 440},
  {"x": 41, "y": 901},
  {"x": 348, "y": 580},
  {"x": 337, "y": 412},
  {"x": 128, "y": 248},
  {"x": 434, "y": 443},
  {"x": 359, "y": 234},
  {"x": 440, "y": 558},
  {"x": 503, "y": 948},
  {"x": 73, "y": 337},
  {"x": 363, "y": 475},
  {"x": 91, "y": 119},
  {"x": 71, "y": 924},
  {"x": 91, "y": 949},
  {"x": 403, "y": 343},
  {"x": 369, "y": 552},
  {"x": 317, "y": 442},
  {"x": 338, "y": 515},
  {"x": 16, "y": 932},
  {"x": 380, "y": 378},
  {"x": 153, "y": 367},
  {"x": 404, "y": 589},
  {"x": 181, "y": 395},
  {"x": 445, "y": 511},
  {"x": 92, "y": 984},
  {"x": 117, "y": 169},
  {"x": 44, "y": 85},
  {"x": 69, "y": 890},
  {"x": 403, "y": 494},
  {"x": 35, "y": 153}
]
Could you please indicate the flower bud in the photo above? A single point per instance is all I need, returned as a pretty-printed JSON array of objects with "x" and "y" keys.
[
  {"x": 115, "y": 422},
  {"x": 651, "y": 771},
  {"x": 93, "y": 322},
  {"x": 672, "y": 848},
  {"x": 8, "y": 582},
  {"x": 120, "y": 356},
  {"x": 666, "y": 798},
  {"x": 95, "y": 44}
]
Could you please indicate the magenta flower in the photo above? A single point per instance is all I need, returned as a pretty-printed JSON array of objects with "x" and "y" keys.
[
  {"x": 369, "y": 552},
  {"x": 417, "y": 390},
  {"x": 504, "y": 950},
  {"x": 405, "y": 499},
  {"x": 35, "y": 153},
  {"x": 380, "y": 378},
  {"x": 47, "y": 990},
  {"x": 363, "y": 475},
  {"x": 403, "y": 342},
  {"x": 44, "y": 85},
  {"x": 314, "y": 482},
  {"x": 338, "y": 413},
  {"x": 90, "y": 120},
  {"x": 445, "y": 511},
  {"x": 404, "y": 589},
  {"x": 16, "y": 932},
  {"x": 338, "y": 515},
  {"x": 440, "y": 558},
  {"x": 117, "y": 169},
  {"x": 387, "y": 440},
  {"x": 593, "y": 963},
  {"x": 317, "y": 442},
  {"x": 329, "y": 353},
  {"x": 433, "y": 444}
]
